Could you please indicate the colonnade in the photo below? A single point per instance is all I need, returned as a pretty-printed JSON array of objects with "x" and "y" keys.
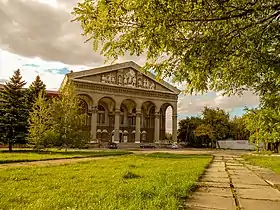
[{"x": 139, "y": 112}]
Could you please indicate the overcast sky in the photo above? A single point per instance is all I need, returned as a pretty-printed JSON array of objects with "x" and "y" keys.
[{"x": 37, "y": 37}]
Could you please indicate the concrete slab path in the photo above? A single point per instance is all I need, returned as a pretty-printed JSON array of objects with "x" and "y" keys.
[{"x": 230, "y": 183}]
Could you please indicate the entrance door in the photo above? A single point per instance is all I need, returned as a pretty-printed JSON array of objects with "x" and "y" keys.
[
  {"x": 125, "y": 138},
  {"x": 121, "y": 139}
]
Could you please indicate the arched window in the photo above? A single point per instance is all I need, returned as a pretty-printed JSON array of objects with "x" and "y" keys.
[
  {"x": 84, "y": 110},
  {"x": 101, "y": 115},
  {"x": 83, "y": 106}
]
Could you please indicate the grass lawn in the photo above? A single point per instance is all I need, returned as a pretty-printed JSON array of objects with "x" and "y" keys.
[
  {"x": 129, "y": 182},
  {"x": 29, "y": 155},
  {"x": 271, "y": 162}
]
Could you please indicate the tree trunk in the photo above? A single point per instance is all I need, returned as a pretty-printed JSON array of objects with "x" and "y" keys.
[
  {"x": 10, "y": 147},
  {"x": 217, "y": 143},
  {"x": 268, "y": 146},
  {"x": 275, "y": 147}
]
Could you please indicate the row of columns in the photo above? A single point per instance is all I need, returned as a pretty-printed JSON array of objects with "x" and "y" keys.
[{"x": 137, "y": 127}]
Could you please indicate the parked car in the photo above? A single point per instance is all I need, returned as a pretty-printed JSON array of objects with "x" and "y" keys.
[
  {"x": 112, "y": 145},
  {"x": 147, "y": 146},
  {"x": 174, "y": 146}
]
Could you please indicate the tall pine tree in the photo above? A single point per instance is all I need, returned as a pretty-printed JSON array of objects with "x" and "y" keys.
[
  {"x": 36, "y": 87},
  {"x": 14, "y": 112}
]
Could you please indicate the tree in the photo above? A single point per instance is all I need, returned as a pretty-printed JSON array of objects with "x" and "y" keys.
[
  {"x": 215, "y": 125},
  {"x": 238, "y": 130},
  {"x": 36, "y": 87},
  {"x": 41, "y": 133},
  {"x": 68, "y": 119},
  {"x": 14, "y": 112},
  {"x": 218, "y": 119},
  {"x": 206, "y": 132},
  {"x": 264, "y": 126},
  {"x": 221, "y": 45},
  {"x": 187, "y": 131}
]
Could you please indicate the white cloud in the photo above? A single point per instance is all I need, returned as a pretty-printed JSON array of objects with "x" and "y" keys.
[
  {"x": 42, "y": 28},
  {"x": 33, "y": 29},
  {"x": 52, "y": 3},
  {"x": 31, "y": 67},
  {"x": 192, "y": 105}
]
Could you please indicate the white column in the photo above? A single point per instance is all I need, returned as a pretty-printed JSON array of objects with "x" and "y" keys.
[
  {"x": 157, "y": 129},
  {"x": 93, "y": 123},
  {"x": 138, "y": 127},
  {"x": 174, "y": 127},
  {"x": 117, "y": 126}
]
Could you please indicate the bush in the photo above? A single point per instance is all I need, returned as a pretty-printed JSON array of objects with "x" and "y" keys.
[{"x": 130, "y": 175}]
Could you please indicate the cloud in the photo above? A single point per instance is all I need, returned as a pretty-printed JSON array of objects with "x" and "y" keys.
[
  {"x": 52, "y": 73},
  {"x": 33, "y": 29},
  {"x": 2, "y": 80},
  {"x": 193, "y": 105}
]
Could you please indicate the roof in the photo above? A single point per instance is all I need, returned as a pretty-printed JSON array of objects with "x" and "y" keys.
[{"x": 117, "y": 66}]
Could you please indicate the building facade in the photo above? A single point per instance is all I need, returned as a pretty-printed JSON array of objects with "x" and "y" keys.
[{"x": 123, "y": 104}]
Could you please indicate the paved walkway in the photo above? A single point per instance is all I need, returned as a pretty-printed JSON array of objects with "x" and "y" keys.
[{"x": 230, "y": 183}]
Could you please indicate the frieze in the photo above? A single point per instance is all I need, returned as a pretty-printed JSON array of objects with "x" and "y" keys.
[
  {"x": 116, "y": 89},
  {"x": 128, "y": 78}
]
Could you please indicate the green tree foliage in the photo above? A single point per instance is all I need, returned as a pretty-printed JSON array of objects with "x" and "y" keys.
[
  {"x": 218, "y": 45},
  {"x": 186, "y": 131},
  {"x": 14, "y": 112},
  {"x": 218, "y": 120},
  {"x": 41, "y": 133},
  {"x": 206, "y": 132},
  {"x": 68, "y": 119},
  {"x": 238, "y": 130},
  {"x": 36, "y": 87},
  {"x": 213, "y": 125},
  {"x": 264, "y": 126}
]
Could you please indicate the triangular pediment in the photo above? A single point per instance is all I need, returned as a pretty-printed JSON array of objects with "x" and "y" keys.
[{"x": 126, "y": 74}]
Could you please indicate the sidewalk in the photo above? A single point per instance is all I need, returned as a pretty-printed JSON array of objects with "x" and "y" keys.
[{"x": 229, "y": 183}]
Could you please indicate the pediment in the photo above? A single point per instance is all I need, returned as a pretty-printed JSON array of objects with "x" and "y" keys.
[{"x": 124, "y": 75}]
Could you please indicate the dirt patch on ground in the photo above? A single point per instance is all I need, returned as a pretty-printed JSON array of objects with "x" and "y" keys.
[{"x": 52, "y": 162}]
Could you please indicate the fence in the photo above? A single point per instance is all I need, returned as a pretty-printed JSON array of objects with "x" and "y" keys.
[{"x": 237, "y": 144}]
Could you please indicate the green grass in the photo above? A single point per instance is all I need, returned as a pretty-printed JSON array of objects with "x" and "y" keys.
[
  {"x": 29, "y": 155},
  {"x": 126, "y": 182},
  {"x": 271, "y": 162},
  {"x": 176, "y": 156}
]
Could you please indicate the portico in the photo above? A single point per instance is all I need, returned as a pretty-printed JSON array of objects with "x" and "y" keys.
[{"x": 123, "y": 104}]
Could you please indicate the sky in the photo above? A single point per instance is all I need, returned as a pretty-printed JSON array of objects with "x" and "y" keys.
[{"x": 38, "y": 37}]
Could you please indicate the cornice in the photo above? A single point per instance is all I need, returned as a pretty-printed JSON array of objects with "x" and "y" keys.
[{"x": 111, "y": 89}]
